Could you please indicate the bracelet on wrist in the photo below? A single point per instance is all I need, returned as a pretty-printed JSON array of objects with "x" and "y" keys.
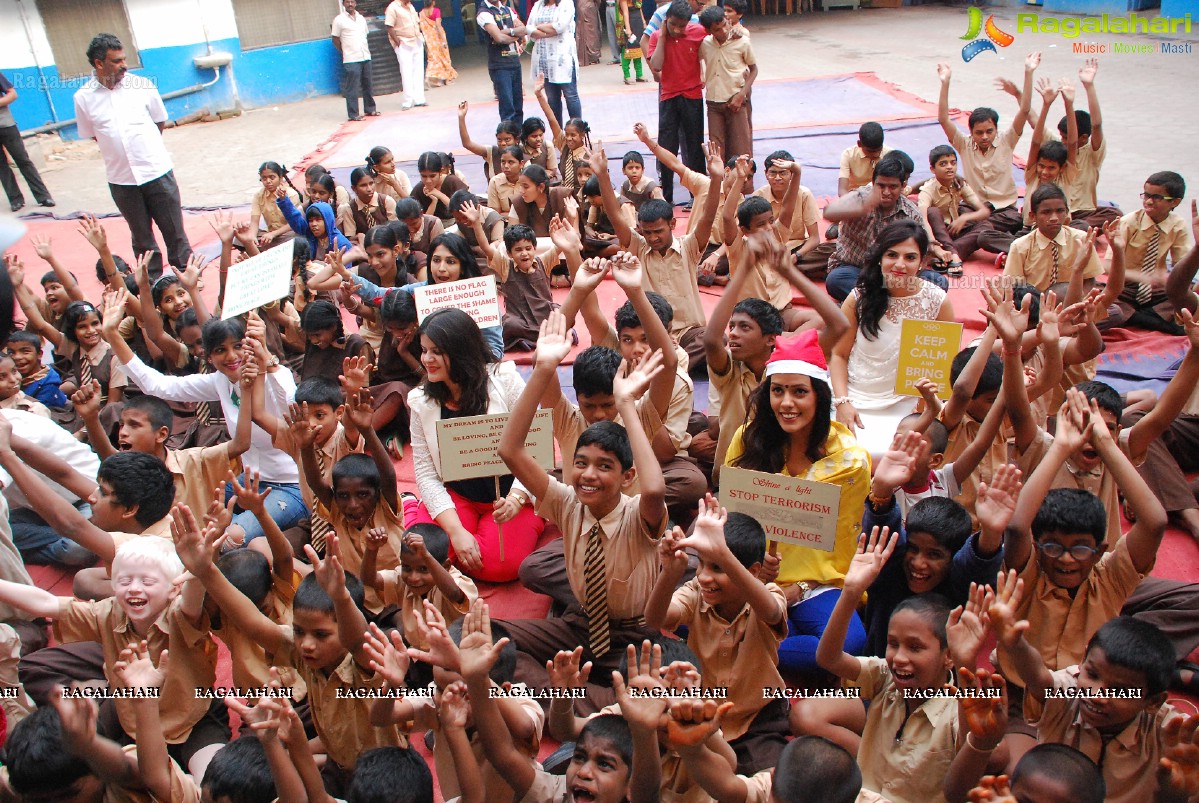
[
  {"x": 970, "y": 743},
  {"x": 839, "y": 400}
]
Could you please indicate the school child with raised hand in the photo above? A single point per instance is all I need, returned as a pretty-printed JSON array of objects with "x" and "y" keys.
[
  {"x": 1081, "y": 193},
  {"x": 507, "y": 133},
  {"x": 324, "y": 643},
  {"x": 1050, "y": 161}
]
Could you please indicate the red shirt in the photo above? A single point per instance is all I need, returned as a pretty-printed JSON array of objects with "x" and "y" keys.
[{"x": 680, "y": 65}]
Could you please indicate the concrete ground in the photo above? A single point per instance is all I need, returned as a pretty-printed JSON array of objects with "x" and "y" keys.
[{"x": 216, "y": 163}]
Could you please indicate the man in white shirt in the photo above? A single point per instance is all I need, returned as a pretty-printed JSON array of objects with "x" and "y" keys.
[
  {"x": 125, "y": 115},
  {"x": 349, "y": 37},
  {"x": 403, "y": 31}
]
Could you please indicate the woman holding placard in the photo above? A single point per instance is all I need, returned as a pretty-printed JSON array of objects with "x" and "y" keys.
[
  {"x": 463, "y": 377},
  {"x": 865, "y": 362},
  {"x": 789, "y": 431}
]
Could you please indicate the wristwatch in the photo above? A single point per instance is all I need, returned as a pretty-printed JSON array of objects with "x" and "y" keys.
[{"x": 273, "y": 362}]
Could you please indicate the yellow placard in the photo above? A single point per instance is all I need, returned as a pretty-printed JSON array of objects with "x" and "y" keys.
[
  {"x": 468, "y": 446},
  {"x": 790, "y": 510},
  {"x": 926, "y": 351}
]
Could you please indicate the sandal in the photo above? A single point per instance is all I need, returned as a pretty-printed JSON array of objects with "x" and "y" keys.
[
  {"x": 938, "y": 265},
  {"x": 395, "y": 449},
  {"x": 628, "y": 82},
  {"x": 954, "y": 267}
]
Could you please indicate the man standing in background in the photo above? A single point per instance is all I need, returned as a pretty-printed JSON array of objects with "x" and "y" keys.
[
  {"x": 674, "y": 61},
  {"x": 403, "y": 31},
  {"x": 349, "y": 37},
  {"x": 10, "y": 142}
]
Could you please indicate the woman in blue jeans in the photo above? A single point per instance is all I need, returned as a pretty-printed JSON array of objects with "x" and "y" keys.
[{"x": 551, "y": 26}]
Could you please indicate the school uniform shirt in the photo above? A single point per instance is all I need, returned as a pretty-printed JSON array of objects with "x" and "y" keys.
[
  {"x": 342, "y": 721},
  {"x": 807, "y": 214},
  {"x": 376, "y": 212},
  {"x": 193, "y": 657},
  {"x": 250, "y": 663},
  {"x": 1030, "y": 258},
  {"x": 50, "y": 436},
  {"x": 996, "y": 455},
  {"x": 124, "y": 122},
  {"x": 351, "y": 30},
  {"x": 1081, "y": 195},
  {"x": 904, "y": 757},
  {"x": 198, "y": 470},
  {"x": 857, "y": 167},
  {"x": 1066, "y": 177},
  {"x": 263, "y": 203},
  {"x": 19, "y": 401},
  {"x": 741, "y": 655},
  {"x": 673, "y": 275},
  {"x": 1129, "y": 761},
  {"x": 334, "y": 449},
  {"x": 274, "y": 464},
  {"x": 96, "y": 357},
  {"x": 351, "y": 542},
  {"x": 1175, "y": 240},
  {"x": 733, "y": 387},
  {"x": 948, "y": 199},
  {"x": 500, "y": 192},
  {"x": 764, "y": 281},
  {"x": 385, "y": 187},
  {"x": 677, "y": 785},
  {"x": 412, "y": 605},
  {"x": 630, "y": 548},
  {"x": 569, "y": 425},
  {"x": 990, "y": 173},
  {"x": 1061, "y": 624},
  {"x": 725, "y": 66},
  {"x": 547, "y": 788}
]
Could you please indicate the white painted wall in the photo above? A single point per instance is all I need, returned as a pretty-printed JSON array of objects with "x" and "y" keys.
[
  {"x": 171, "y": 23},
  {"x": 16, "y": 47}
]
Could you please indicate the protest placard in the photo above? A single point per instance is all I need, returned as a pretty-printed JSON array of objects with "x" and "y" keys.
[
  {"x": 790, "y": 510},
  {"x": 468, "y": 446},
  {"x": 475, "y": 297},
  {"x": 258, "y": 280},
  {"x": 926, "y": 351}
]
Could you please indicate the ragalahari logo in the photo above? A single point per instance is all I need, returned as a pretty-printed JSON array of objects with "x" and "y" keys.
[{"x": 980, "y": 45}]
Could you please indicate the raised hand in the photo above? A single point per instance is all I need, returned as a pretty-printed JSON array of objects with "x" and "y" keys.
[
  {"x": 360, "y": 409},
  {"x": 1032, "y": 61},
  {"x": 1074, "y": 422},
  {"x": 248, "y": 496},
  {"x": 641, "y": 132},
  {"x": 135, "y": 669},
  {"x": 944, "y": 72},
  {"x": 112, "y": 309},
  {"x": 1066, "y": 89},
  {"x": 898, "y": 463},
  {"x": 627, "y": 271},
  {"x": 92, "y": 231},
  {"x": 470, "y": 211},
  {"x": 670, "y": 550},
  {"x": 1178, "y": 768},
  {"x": 1002, "y": 613},
  {"x": 87, "y": 400},
  {"x": 434, "y": 631},
  {"x": 1046, "y": 90},
  {"x": 1004, "y": 85},
  {"x": 929, "y": 391},
  {"x": 599, "y": 160},
  {"x": 553, "y": 343},
  {"x": 376, "y": 537},
  {"x": 645, "y": 711},
  {"x": 992, "y": 789},
  {"x": 190, "y": 278},
  {"x": 221, "y": 221},
  {"x": 564, "y": 236},
  {"x": 985, "y": 715},
  {"x": 42, "y": 247},
  {"x": 1086, "y": 73},
  {"x": 1008, "y": 321},
  {"x": 388, "y": 655},
  {"x": 872, "y": 555},
  {"x": 591, "y": 273},
  {"x": 296, "y": 419},
  {"x": 190, "y": 544},
  {"x": 477, "y": 653},
  {"x": 707, "y": 537},
  {"x": 715, "y": 161},
  {"x": 996, "y": 502},
  {"x": 567, "y": 671},
  {"x": 453, "y": 709},
  {"x": 463, "y": 108},
  {"x": 15, "y": 268},
  {"x": 967, "y": 627},
  {"x": 329, "y": 573},
  {"x": 692, "y": 721},
  {"x": 631, "y": 383},
  {"x": 1088, "y": 250},
  {"x": 1190, "y": 326}
]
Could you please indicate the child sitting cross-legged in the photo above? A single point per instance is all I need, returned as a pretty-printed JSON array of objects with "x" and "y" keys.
[
  {"x": 735, "y": 624},
  {"x": 1112, "y": 707}
]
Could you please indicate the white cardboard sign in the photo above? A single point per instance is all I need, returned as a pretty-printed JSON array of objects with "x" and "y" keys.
[
  {"x": 475, "y": 297},
  {"x": 258, "y": 280},
  {"x": 468, "y": 446}
]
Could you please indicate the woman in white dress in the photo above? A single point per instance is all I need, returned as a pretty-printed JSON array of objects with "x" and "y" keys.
[
  {"x": 551, "y": 26},
  {"x": 865, "y": 362}
]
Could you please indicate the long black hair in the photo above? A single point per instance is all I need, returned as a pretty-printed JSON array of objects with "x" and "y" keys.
[
  {"x": 460, "y": 248},
  {"x": 873, "y": 296},
  {"x": 765, "y": 440},
  {"x": 458, "y": 337}
]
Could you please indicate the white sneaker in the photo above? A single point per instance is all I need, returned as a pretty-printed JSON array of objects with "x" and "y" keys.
[{"x": 407, "y": 105}]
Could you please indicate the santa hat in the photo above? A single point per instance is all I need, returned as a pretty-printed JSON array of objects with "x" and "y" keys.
[{"x": 799, "y": 355}]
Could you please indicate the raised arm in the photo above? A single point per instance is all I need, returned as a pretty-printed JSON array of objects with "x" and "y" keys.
[
  {"x": 715, "y": 350},
  {"x": 708, "y": 540},
  {"x": 599, "y": 164},
  {"x": 707, "y": 215},
  {"x": 629, "y": 274},
  {"x": 1030, "y": 67},
  {"x": 629, "y": 384},
  {"x": 94, "y": 233},
  {"x": 1086, "y": 77},
  {"x": 872, "y": 555},
  {"x": 34, "y": 320},
  {"x": 1009, "y": 323},
  {"x": 1048, "y": 95},
  {"x": 43, "y": 248},
  {"x": 945, "y": 74},
  {"x": 464, "y": 134},
  {"x": 1010, "y": 635},
  {"x": 1067, "y": 91},
  {"x": 351, "y": 624},
  {"x": 360, "y": 412}
]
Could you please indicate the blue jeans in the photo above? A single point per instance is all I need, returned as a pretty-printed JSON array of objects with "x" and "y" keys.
[
  {"x": 806, "y": 622},
  {"x": 842, "y": 279},
  {"x": 285, "y": 506},
  {"x": 510, "y": 93},
  {"x": 39, "y": 543},
  {"x": 554, "y": 93}
]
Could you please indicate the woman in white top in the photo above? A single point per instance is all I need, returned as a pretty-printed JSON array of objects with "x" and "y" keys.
[
  {"x": 865, "y": 362},
  {"x": 551, "y": 26},
  {"x": 222, "y": 342},
  {"x": 463, "y": 378}
]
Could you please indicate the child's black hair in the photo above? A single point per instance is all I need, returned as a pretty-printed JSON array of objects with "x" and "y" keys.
[
  {"x": 1134, "y": 644},
  {"x": 711, "y": 16},
  {"x": 187, "y": 318},
  {"x": 357, "y": 467},
  {"x": 870, "y": 135},
  {"x": 408, "y": 208},
  {"x": 76, "y": 312},
  {"x": 530, "y": 126},
  {"x": 942, "y": 518},
  {"x": 447, "y": 161},
  {"x": 376, "y": 155},
  {"x": 536, "y": 174},
  {"x": 613, "y": 728},
  {"x": 159, "y": 288},
  {"x": 1047, "y": 192},
  {"x": 320, "y": 390},
  {"x": 515, "y": 151},
  {"x": 400, "y": 233},
  {"x": 937, "y": 434},
  {"x": 627, "y": 317},
  {"x": 429, "y": 162},
  {"x": 36, "y": 757},
  {"x": 1082, "y": 119},
  {"x": 1063, "y": 764},
  {"x": 398, "y": 308},
  {"x": 1019, "y": 291},
  {"x": 591, "y": 187},
  {"x": 325, "y": 181},
  {"x": 679, "y": 10},
  {"x": 610, "y": 437},
  {"x": 311, "y": 597},
  {"x": 933, "y": 609},
  {"x": 156, "y": 410},
  {"x": 655, "y": 209},
  {"x": 992, "y": 374},
  {"x": 740, "y": 6},
  {"x": 632, "y": 157},
  {"x": 816, "y": 770},
  {"x": 594, "y": 370},
  {"x": 778, "y": 156},
  {"x": 940, "y": 152},
  {"x": 752, "y": 206},
  {"x": 280, "y": 171},
  {"x": 1070, "y": 511},
  {"x": 239, "y": 772},
  {"x": 437, "y": 541},
  {"x": 216, "y": 332},
  {"x": 763, "y": 313},
  {"x": 510, "y": 127},
  {"x": 890, "y": 167},
  {"x": 1104, "y": 395},
  {"x": 746, "y": 539},
  {"x": 514, "y": 234},
  {"x": 359, "y": 173},
  {"x": 981, "y": 115},
  {"x": 391, "y": 775},
  {"x": 24, "y": 336},
  {"x": 1168, "y": 180},
  {"x": 1053, "y": 151},
  {"x": 140, "y": 479},
  {"x": 248, "y": 571},
  {"x": 505, "y": 665},
  {"x": 50, "y": 277},
  {"x": 314, "y": 170},
  {"x": 461, "y": 198},
  {"x": 121, "y": 265},
  {"x": 320, "y": 315}
]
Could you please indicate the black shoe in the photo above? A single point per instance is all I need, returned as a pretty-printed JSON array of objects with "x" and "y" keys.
[
  {"x": 354, "y": 118},
  {"x": 47, "y": 202},
  {"x": 17, "y": 206}
]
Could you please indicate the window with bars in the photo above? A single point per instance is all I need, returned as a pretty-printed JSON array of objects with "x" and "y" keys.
[
  {"x": 71, "y": 24},
  {"x": 265, "y": 23}
]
